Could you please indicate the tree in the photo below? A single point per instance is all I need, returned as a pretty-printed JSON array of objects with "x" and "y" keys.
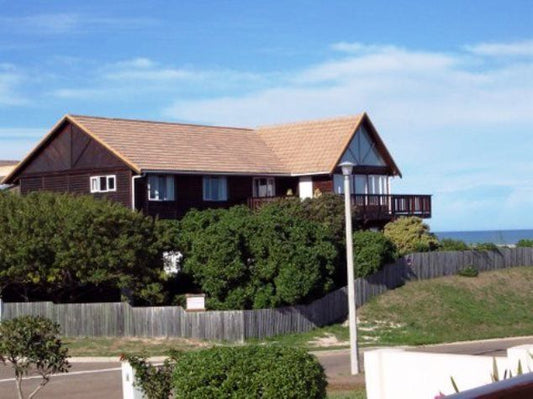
[
  {"x": 31, "y": 343},
  {"x": 372, "y": 250},
  {"x": 410, "y": 234},
  {"x": 243, "y": 259},
  {"x": 60, "y": 243}
]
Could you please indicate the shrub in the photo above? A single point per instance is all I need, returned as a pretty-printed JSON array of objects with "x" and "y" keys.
[
  {"x": 59, "y": 244},
  {"x": 32, "y": 344},
  {"x": 154, "y": 381},
  {"x": 448, "y": 244},
  {"x": 524, "y": 243},
  {"x": 485, "y": 246},
  {"x": 410, "y": 234},
  {"x": 249, "y": 372},
  {"x": 243, "y": 259},
  {"x": 372, "y": 250},
  {"x": 468, "y": 271}
]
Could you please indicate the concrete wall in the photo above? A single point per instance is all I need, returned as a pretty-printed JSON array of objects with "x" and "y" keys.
[{"x": 395, "y": 373}]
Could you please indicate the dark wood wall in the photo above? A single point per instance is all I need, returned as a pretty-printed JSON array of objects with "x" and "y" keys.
[
  {"x": 66, "y": 163},
  {"x": 323, "y": 183},
  {"x": 189, "y": 194}
]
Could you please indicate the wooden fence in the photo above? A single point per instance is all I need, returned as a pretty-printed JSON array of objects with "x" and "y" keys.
[{"x": 121, "y": 319}]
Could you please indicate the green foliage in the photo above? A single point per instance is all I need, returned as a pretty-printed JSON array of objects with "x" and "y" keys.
[
  {"x": 410, "y": 234},
  {"x": 32, "y": 344},
  {"x": 372, "y": 250},
  {"x": 468, "y": 271},
  {"x": 448, "y": 244},
  {"x": 485, "y": 246},
  {"x": 249, "y": 372},
  {"x": 243, "y": 259},
  {"x": 524, "y": 244},
  {"x": 59, "y": 243},
  {"x": 154, "y": 381}
]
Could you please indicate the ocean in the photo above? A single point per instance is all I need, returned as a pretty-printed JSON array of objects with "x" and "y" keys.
[{"x": 498, "y": 237}]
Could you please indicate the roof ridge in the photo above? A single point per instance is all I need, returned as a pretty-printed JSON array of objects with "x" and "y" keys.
[
  {"x": 308, "y": 122},
  {"x": 160, "y": 122}
]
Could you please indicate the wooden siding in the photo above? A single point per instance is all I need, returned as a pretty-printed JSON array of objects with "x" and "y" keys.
[
  {"x": 68, "y": 161},
  {"x": 120, "y": 319},
  {"x": 323, "y": 183},
  {"x": 189, "y": 194}
]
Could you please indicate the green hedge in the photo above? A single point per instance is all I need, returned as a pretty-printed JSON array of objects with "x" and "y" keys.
[
  {"x": 249, "y": 372},
  {"x": 243, "y": 259},
  {"x": 524, "y": 244},
  {"x": 372, "y": 250}
]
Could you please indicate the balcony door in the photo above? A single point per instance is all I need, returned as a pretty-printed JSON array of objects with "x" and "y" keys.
[{"x": 263, "y": 187}]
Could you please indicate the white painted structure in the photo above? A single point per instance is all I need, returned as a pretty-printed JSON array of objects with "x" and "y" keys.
[
  {"x": 396, "y": 373},
  {"x": 128, "y": 378},
  {"x": 305, "y": 187}
]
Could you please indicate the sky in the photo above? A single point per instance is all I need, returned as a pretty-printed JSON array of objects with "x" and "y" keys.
[{"x": 448, "y": 84}]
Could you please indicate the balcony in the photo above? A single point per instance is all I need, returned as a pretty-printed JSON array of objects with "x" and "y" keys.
[{"x": 375, "y": 206}]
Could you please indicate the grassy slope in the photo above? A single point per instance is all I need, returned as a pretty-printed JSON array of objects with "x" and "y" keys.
[{"x": 494, "y": 304}]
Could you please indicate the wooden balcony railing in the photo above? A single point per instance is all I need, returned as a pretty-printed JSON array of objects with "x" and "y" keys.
[
  {"x": 382, "y": 206},
  {"x": 376, "y": 206}
]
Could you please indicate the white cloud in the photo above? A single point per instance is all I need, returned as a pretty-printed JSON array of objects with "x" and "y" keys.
[
  {"x": 522, "y": 48},
  {"x": 61, "y": 23},
  {"x": 10, "y": 80}
]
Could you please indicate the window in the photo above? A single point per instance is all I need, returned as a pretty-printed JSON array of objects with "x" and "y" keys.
[
  {"x": 103, "y": 184},
  {"x": 215, "y": 188},
  {"x": 263, "y": 187},
  {"x": 161, "y": 188}
]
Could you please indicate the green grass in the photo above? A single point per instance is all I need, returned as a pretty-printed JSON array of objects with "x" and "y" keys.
[{"x": 491, "y": 305}]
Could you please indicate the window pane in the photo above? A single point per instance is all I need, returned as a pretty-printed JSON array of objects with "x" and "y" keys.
[
  {"x": 103, "y": 183},
  {"x": 152, "y": 187},
  {"x": 170, "y": 188},
  {"x": 111, "y": 183}
]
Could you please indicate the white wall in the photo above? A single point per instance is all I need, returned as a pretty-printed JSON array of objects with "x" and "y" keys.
[
  {"x": 305, "y": 187},
  {"x": 395, "y": 373}
]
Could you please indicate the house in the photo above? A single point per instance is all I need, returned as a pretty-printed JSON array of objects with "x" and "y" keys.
[
  {"x": 166, "y": 169},
  {"x": 6, "y": 167}
]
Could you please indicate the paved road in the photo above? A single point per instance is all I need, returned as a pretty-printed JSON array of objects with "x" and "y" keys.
[{"x": 101, "y": 380}]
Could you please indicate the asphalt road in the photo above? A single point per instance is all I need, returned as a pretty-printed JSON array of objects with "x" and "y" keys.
[{"x": 102, "y": 380}]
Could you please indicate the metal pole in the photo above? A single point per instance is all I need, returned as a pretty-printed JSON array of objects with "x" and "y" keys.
[{"x": 354, "y": 351}]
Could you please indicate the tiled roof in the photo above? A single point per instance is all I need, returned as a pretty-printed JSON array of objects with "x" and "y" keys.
[
  {"x": 181, "y": 147},
  {"x": 312, "y": 146}
]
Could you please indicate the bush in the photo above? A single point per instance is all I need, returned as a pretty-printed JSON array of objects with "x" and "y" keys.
[
  {"x": 485, "y": 246},
  {"x": 410, "y": 234},
  {"x": 448, "y": 244},
  {"x": 524, "y": 244},
  {"x": 154, "y": 381},
  {"x": 242, "y": 259},
  {"x": 372, "y": 250},
  {"x": 249, "y": 372},
  {"x": 32, "y": 344},
  {"x": 59, "y": 244},
  {"x": 468, "y": 271}
]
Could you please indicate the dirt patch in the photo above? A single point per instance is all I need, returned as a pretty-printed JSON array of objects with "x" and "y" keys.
[{"x": 328, "y": 340}]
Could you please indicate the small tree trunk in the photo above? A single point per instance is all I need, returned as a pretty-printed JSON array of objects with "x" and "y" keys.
[{"x": 18, "y": 383}]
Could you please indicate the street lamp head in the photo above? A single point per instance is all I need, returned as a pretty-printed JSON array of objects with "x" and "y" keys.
[{"x": 347, "y": 167}]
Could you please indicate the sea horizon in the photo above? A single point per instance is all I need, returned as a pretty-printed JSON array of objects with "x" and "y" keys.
[{"x": 499, "y": 237}]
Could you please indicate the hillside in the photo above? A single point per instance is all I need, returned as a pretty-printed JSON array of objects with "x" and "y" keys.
[{"x": 493, "y": 304}]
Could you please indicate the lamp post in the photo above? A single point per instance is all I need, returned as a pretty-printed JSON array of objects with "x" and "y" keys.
[{"x": 347, "y": 168}]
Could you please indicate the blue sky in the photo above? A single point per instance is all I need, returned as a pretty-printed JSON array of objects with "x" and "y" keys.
[{"x": 449, "y": 85}]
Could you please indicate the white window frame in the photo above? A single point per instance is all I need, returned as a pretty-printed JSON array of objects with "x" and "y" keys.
[
  {"x": 95, "y": 186},
  {"x": 169, "y": 195},
  {"x": 270, "y": 182},
  {"x": 206, "y": 189}
]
